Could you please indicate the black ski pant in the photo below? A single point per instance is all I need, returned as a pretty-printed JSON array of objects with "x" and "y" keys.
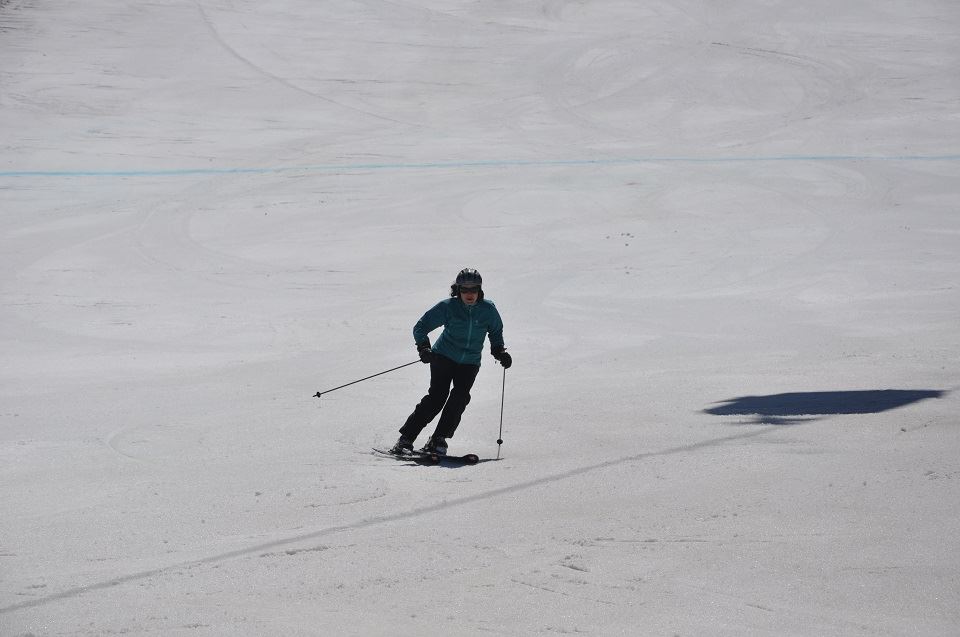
[{"x": 441, "y": 397}]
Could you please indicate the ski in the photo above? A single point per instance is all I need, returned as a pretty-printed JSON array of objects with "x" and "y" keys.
[{"x": 422, "y": 457}]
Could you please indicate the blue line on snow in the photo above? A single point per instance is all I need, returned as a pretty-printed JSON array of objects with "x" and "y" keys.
[{"x": 480, "y": 163}]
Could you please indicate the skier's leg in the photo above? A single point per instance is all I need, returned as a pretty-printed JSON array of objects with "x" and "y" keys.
[
  {"x": 463, "y": 380},
  {"x": 441, "y": 375}
]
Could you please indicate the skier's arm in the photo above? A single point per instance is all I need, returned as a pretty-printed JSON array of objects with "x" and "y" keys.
[
  {"x": 431, "y": 320},
  {"x": 497, "y": 348},
  {"x": 495, "y": 332}
]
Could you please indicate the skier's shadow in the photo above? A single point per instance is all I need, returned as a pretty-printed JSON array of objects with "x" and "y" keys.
[
  {"x": 446, "y": 464},
  {"x": 792, "y": 408}
]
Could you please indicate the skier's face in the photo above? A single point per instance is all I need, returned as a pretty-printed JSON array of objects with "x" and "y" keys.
[{"x": 469, "y": 295}]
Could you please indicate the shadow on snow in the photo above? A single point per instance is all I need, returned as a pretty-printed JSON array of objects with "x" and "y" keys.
[{"x": 791, "y": 408}]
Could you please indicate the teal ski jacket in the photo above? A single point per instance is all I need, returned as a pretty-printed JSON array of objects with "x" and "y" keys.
[{"x": 464, "y": 329}]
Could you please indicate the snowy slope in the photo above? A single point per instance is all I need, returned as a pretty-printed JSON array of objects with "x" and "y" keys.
[{"x": 724, "y": 241}]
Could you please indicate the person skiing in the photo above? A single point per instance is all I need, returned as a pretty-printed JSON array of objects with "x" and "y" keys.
[{"x": 467, "y": 318}]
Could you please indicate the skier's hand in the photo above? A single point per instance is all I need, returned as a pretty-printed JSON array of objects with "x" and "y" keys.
[
  {"x": 426, "y": 354},
  {"x": 503, "y": 358}
]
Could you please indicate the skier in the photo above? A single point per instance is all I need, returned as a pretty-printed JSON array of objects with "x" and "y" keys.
[{"x": 467, "y": 318}]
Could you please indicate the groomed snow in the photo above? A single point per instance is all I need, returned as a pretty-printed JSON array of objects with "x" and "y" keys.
[{"x": 724, "y": 239}]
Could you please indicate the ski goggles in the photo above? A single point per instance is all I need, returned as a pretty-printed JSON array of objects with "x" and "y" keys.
[{"x": 473, "y": 289}]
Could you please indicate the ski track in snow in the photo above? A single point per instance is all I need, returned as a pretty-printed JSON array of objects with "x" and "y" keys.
[
  {"x": 478, "y": 163},
  {"x": 381, "y": 520},
  {"x": 210, "y": 23}
]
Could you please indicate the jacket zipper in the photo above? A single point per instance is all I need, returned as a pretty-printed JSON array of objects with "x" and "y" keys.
[{"x": 466, "y": 349}]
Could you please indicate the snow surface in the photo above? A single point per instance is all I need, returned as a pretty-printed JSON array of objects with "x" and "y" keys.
[{"x": 724, "y": 238}]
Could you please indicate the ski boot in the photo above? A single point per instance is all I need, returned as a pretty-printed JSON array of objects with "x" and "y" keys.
[
  {"x": 403, "y": 447},
  {"x": 436, "y": 446}
]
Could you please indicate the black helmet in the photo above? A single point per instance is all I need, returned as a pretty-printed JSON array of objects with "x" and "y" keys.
[{"x": 468, "y": 277}]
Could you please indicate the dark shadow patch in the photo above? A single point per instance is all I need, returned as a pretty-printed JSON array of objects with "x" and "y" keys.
[{"x": 793, "y": 408}]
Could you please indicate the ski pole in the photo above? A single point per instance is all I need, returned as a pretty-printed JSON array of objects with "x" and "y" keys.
[
  {"x": 503, "y": 391},
  {"x": 321, "y": 393}
]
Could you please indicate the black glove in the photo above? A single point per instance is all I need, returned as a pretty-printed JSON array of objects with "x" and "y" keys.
[
  {"x": 503, "y": 357},
  {"x": 426, "y": 354}
]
